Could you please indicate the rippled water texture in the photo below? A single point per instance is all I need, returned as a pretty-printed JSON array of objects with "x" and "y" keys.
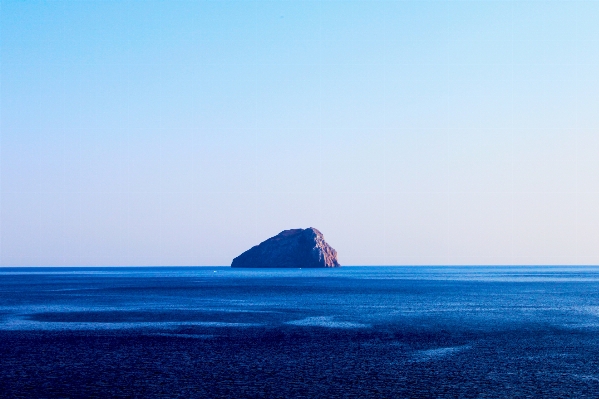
[{"x": 349, "y": 332}]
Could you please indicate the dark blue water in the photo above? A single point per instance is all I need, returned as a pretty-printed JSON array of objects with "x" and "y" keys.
[{"x": 352, "y": 332}]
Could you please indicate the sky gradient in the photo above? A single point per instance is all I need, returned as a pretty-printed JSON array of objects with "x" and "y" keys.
[{"x": 408, "y": 132}]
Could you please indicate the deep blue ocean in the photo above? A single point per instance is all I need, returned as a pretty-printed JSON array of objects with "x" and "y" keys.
[{"x": 353, "y": 332}]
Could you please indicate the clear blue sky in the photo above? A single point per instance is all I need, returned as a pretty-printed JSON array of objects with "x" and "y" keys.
[{"x": 408, "y": 132}]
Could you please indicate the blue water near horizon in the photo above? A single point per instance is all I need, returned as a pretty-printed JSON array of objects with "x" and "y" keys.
[
  {"x": 405, "y": 331},
  {"x": 68, "y": 297}
]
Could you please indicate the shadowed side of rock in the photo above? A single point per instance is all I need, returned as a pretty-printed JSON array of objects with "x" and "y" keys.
[{"x": 295, "y": 248}]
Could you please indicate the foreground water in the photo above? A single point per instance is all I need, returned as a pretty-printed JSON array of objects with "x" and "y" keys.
[{"x": 349, "y": 332}]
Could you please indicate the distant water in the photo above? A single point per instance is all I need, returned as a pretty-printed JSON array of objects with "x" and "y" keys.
[{"x": 351, "y": 332}]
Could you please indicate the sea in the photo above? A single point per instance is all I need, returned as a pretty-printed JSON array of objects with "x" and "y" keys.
[{"x": 350, "y": 332}]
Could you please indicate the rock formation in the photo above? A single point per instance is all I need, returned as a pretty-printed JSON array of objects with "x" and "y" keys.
[{"x": 290, "y": 249}]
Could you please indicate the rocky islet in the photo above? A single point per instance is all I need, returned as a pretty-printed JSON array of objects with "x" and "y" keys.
[{"x": 295, "y": 248}]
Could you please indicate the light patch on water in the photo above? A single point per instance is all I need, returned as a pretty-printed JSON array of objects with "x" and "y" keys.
[
  {"x": 24, "y": 324},
  {"x": 592, "y": 310},
  {"x": 586, "y": 377},
  {"x": 438, "y": 353},
  {"x": 194, "y": 336},
  {"x": 323, "y": 321},
  {"x": 581, "y": 326},
  {"x": 587, "y": 322}
]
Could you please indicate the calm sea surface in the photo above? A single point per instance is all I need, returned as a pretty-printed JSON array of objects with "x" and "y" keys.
[{"x": 404, "y": 332}]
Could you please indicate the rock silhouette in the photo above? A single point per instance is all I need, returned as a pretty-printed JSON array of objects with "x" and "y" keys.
[{"x": 294, "y": 248}]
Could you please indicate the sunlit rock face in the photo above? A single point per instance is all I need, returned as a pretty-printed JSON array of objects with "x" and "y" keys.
[{"x": 294, "y": 248}]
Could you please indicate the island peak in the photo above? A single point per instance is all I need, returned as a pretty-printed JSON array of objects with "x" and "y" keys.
[{"x": 295, "y": 248}]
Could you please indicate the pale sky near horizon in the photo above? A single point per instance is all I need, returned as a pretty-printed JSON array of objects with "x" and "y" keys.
[{"x": 408, "y": 132}]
